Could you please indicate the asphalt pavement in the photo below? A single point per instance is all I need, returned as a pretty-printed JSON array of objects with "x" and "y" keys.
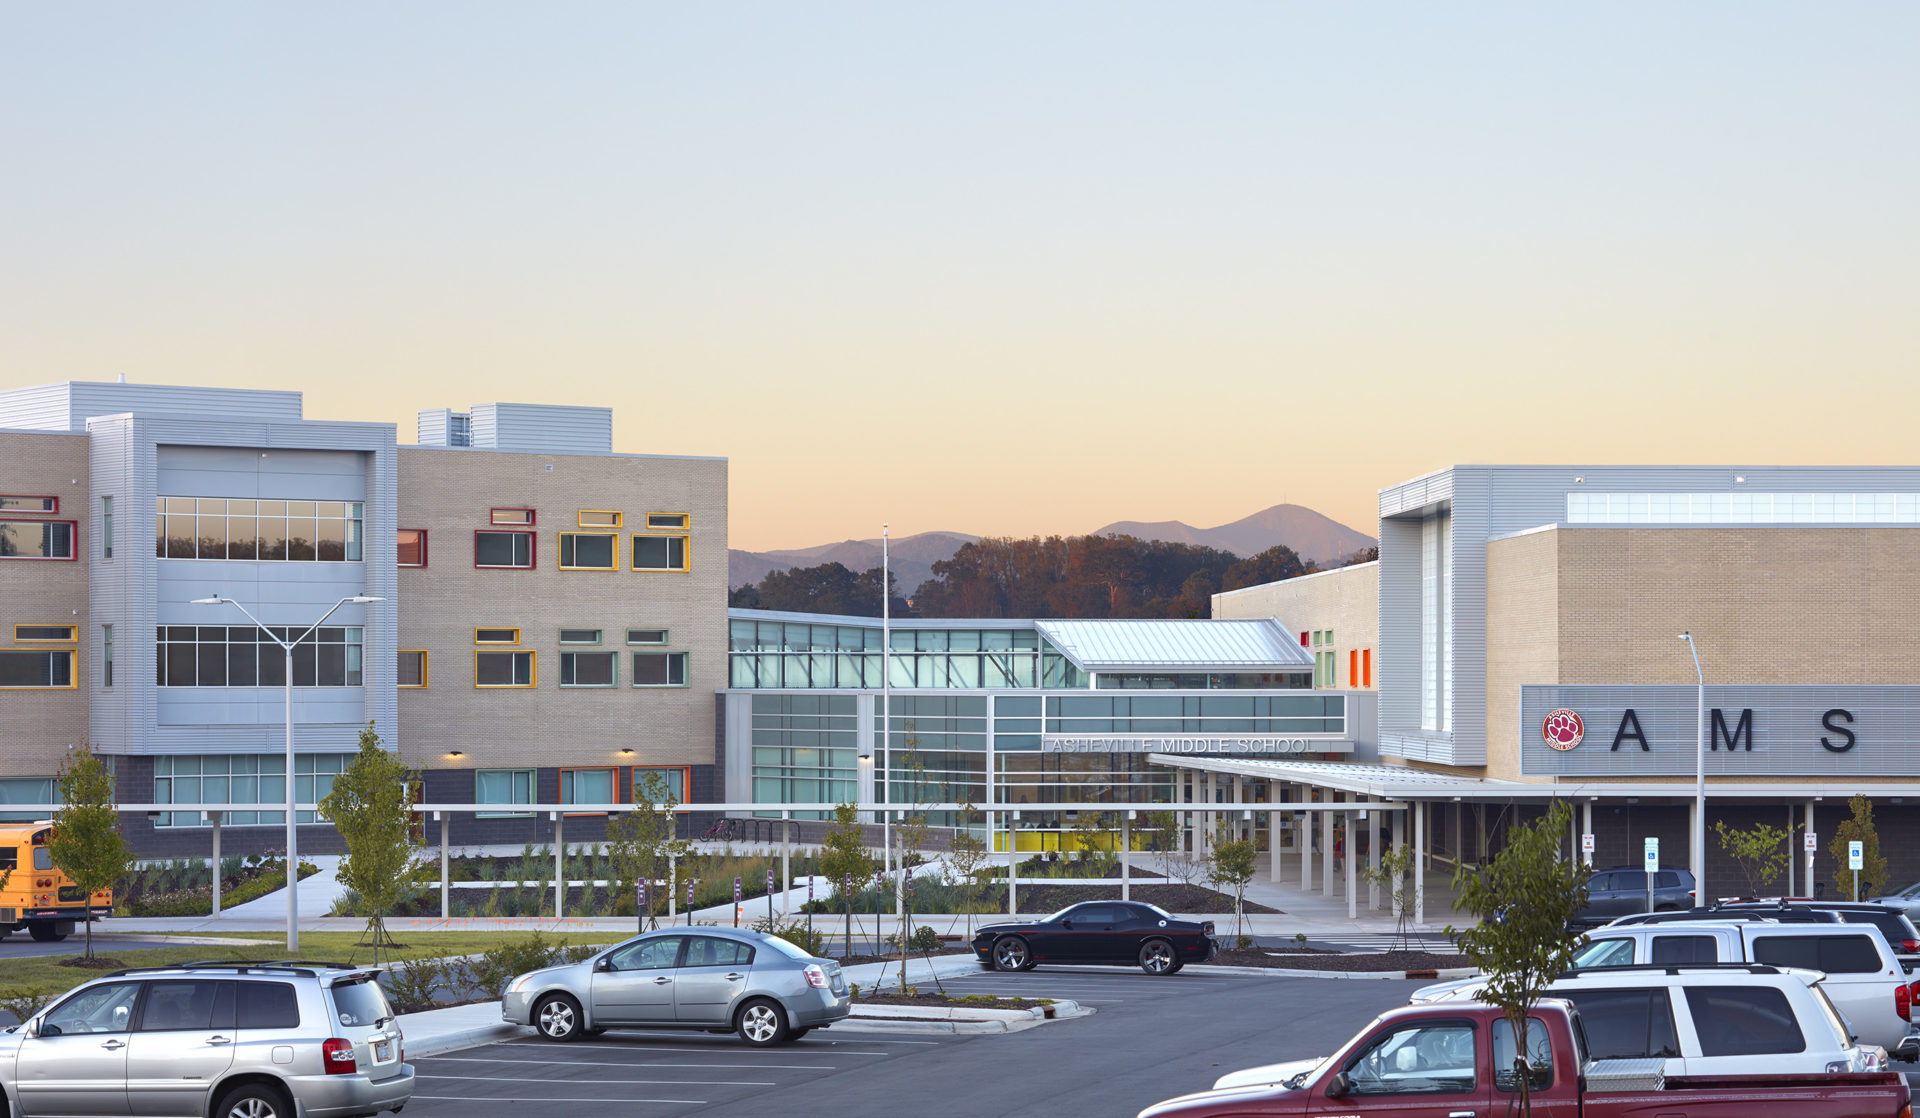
[{"x": 1151, "y": 1038}]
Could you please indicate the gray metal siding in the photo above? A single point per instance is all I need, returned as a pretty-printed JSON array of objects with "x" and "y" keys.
[
  {"x": 433, "y": 427},
  {"x": 41, "y": 407},
  {"x": 1398, "y": 673},
  {"x": 543, "y": 428},
  {"x": 136, "y": 591}
]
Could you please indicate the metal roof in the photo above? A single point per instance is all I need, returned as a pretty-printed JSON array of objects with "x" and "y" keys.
[{"x": 1197, "y": 645}]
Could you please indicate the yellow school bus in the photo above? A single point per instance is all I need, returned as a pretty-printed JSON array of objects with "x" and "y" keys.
[{"x": 37, "y": 897}]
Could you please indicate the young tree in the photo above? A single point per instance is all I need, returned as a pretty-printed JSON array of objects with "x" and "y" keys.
[
  {"x": 1873, "y": 867},
  {"x": 1091, "y": 831},
  {"x": 1524, "y": 899},
  {"x": 1172, "y": 863},
  {"x": 967, "y": 857},
  {"x": 371, "y": 805},
  {"x": 1391, "y": 871},
  {"x": 844, "y": 858},
  {"x": 1760, "y": 851},
  {"x": 86, "y": 843},
  {"x": 642, "y": 842},
  {"x": 1230, "y": 865}
]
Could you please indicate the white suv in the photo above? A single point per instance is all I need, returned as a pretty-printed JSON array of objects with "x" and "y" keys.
[{"x": 1864, "y": 978}]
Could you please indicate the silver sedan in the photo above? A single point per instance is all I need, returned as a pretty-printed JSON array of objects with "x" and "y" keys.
[{"x": 715, "y": 979}]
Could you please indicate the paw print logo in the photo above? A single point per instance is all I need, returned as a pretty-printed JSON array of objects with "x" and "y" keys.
[{"x": 1563, "y": 729}]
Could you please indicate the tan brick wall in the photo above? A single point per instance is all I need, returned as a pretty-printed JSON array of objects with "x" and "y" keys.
[
  {"x": 1524, "y": 583},
  {"x": 449, "y": 493},
  {"x": 41, "y": 724},
  {"x": 1346, "y": 601}
]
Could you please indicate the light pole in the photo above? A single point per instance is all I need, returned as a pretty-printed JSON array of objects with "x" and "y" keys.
[
  {"x": 1699, "y": 828},
  {"x": 293, "y": 855}
]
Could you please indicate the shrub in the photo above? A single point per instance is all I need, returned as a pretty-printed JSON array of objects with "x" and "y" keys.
[
  {"x": 24, "y": 1003},
  {"x": 414, "y": 982},
  {"x": 489, "y": 972},
  {"x": 794, "y": 932}
]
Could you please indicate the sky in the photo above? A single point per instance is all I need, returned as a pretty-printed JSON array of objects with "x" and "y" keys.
[{"x": 994, "y": 268}]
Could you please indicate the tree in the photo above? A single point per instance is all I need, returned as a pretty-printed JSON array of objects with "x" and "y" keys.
[
  {"x": 1230, "y": 864},
  {"x": 1168, "y": 858},
  {"x": 1873, "y": 868},
  {"x": 1760, "y": 851},
  {"x": 641, "y": 842},
  {"x": 967, "y": 857},
  {"x": 86, "y": 843},
  {"x": 1524, "y": 899},
  {"x": 1391, "y": 872},
  {"x": 1092, "y": 834},
  {"x": 1272, "y": 565},
  {"x": 371, "y": 805},
  {"x": 845, "y": 861}
]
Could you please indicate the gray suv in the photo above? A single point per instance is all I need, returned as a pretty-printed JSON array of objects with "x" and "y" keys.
[
  {"x": 719, "y": 980},
  {"x": 230, "y": 1040},
  {"x": 1622, "y": 891}
]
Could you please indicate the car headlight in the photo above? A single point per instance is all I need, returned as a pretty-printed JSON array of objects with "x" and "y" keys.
[{"x": 517, "y": 984}]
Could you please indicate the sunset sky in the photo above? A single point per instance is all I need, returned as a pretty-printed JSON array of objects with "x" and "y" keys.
[{"x": 995, "y": 268}]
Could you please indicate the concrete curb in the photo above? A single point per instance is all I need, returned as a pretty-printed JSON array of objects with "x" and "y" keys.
[
  {"x": 1289, "y": 972},
  {"x": 935, "y": 1019},
  {"x": 465, "y": 1038}
]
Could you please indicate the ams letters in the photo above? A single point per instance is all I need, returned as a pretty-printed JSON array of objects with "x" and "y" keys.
[{"x": 1837, "y": 722}]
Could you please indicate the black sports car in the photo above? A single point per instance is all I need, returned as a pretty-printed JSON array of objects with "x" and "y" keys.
[{"x": 1125, "y": 932}]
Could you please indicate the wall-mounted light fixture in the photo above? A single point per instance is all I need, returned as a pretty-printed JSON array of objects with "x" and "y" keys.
[
  {"x": 456, "y": 753},
  {"x": 626, "y": 753}
]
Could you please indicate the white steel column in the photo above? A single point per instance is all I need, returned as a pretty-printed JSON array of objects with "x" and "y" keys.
[
  {"x": 1791, "y": 860},
  {"x": 1586, "y": 828},
  {"x": 1400, "y": 822},
  {"x": 559, "y": 868},
  {"x": 1126, "y": 855},
  {"x": 1810, "y": 831},
  {"x": 213, "y": 817},
  {"x": 1304, "y": 825},
  {"x": 445, "y": 890},
  {"x": 1373, "y": 854},
  {"x": 1326, "y": 845},
  {"x": 786, "y": 864},
  {"x": 1353, "y": 891},
  {"x": 1273, "y": 831},
  {"x": 1421, "y": 819}
]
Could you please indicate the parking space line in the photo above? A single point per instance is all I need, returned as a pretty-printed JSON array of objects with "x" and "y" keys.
[
  {"x": 571, "y": 1082},
  {"x": 801, "y": 1047},
  {"x": 525, "y": 1098},
  {"x": 623, "y": 1064}
]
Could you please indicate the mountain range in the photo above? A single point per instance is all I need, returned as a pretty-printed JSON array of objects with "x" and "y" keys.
[{"x": 1308, "y": 533}]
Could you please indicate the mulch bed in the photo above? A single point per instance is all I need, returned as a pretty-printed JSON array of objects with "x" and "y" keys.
[
  {"x": 1293, "y": 959},
  {"x": 1181, "y": 899},
  {"x": 855, "y": 960},
  {"x": 949, "y": 1003}
]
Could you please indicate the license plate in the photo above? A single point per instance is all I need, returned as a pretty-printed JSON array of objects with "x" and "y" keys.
[{"x": 382, "y": 1051}]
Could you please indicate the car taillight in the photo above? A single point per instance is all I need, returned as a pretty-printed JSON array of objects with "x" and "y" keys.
[
  {"x": 816, "y": 976},
  {"x": 1910, "y": 946},
  {"x": 1903, "y": 1001},
  {"x": 1206, "y": 929},
  {"x": 337, "y": 1055}
]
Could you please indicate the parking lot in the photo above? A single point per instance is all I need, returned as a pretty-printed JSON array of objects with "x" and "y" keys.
[{"x": 1150, "y": 1038}]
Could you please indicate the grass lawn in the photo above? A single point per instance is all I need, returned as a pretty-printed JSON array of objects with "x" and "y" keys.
[{"x": 42, "y": 974}]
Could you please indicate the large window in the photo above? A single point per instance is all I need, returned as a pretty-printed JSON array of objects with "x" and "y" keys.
[
  {"x": 659, "y": 669},
  {"x": 412, "y": 667},
  {"x": 512, "y": 550},
  {"x": 502, "y": 786},
  {"x": 659, "y": 553},
  {"x": 27, "y": 668},
  {"x": 411, "y": 550},
  {"x": 37, "y": 539},
  {"x": 588, "y": 786},
  {"x": 659, "y": 784},
  {"x": 24, "y": 790},
  {"x": 291, "y": 531},
  {"x": 588, "y": 669},
  {"x": 243, "y": 656},
  {"x": 242, "y": 778},
  {"x": 503, "y": 669},
  {"x": 587, "y": 551}
]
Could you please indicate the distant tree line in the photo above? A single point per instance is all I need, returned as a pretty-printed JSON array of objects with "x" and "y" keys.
[{"x": 1054, "y": 576}]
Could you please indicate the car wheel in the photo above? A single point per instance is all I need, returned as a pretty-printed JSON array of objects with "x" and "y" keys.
[
  {"x": 253, "y": 1100},
  {"x": 1157, "y": 957},
  {"x": 44, "y": 933},
  {"x": 558, "y": 1018},
  {"x": 796, "y": 1034},
  {"x": 762, "y": 1023},
  {"x": 1012, "y": 953}
]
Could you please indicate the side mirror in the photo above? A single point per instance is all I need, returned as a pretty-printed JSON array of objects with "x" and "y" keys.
[
  {"x": 1066, "y": 923},
  {"x": 603, "y": 963},
  {"x": 37, "y": 1027},
  {"x": 1338, "y": 1087}
]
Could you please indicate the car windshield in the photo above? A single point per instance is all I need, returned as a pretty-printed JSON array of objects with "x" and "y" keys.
[
  {"x": 790, "y": 950},
  {"x": 1061, "y": 915}
]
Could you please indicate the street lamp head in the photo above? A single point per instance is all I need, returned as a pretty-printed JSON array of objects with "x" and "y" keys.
[
  {"x": 362, "y": 599},
  {"x": 216, "y": 600},
  {"x": 1687, "y": 636}
]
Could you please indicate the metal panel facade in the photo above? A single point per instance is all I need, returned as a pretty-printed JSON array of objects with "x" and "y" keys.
[{"x": 1822, "y": 731}]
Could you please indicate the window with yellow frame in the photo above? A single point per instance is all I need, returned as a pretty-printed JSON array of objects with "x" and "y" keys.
[
  {"x": 57, "y": 634},
  {"x": 505, "y": 670},
  {"x": 37, "y": 669},
  {"x": 589, "y": 551}
]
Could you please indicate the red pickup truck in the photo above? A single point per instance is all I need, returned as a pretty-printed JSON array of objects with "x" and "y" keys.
[{"x": 1458, "y": 1061}]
